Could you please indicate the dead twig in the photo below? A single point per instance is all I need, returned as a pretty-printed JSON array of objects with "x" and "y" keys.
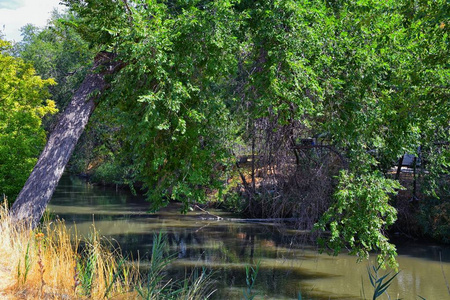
[{"x": 208, "y": 213}]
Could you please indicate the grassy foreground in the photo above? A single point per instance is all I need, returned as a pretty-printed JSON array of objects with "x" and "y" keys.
[{"x": 52, "y": 262}]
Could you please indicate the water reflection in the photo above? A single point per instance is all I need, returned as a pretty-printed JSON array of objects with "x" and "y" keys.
[{"x": 289, "y": 261}]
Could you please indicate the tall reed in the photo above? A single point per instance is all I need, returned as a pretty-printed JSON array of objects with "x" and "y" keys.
[
  {"x": 52, "y": 262},
  {"x": 49, "y": 262},
  {"x": 198, "y": 285}
]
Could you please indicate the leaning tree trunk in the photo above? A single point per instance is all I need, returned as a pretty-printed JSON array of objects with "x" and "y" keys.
[{"x": 35, "y": 195}]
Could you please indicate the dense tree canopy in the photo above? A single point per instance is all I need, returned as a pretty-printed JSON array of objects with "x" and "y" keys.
[
  {"x": 204, "y": 81},
  {"x": 169, "y": 93}
]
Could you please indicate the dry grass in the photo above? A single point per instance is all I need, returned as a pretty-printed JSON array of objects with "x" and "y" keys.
[{"x": 51, "y": 263}]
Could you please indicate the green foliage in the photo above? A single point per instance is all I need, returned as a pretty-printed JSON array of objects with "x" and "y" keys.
[
  {"x": 251, "y": 272},
  {"x": 350, "y": 70},
  {"x": 157, "y": 286},
  {"x": 281, "y": 46},
  {"x": 107, "y": 173},
  {"x": 86, "y": 270},
  {"x": 380, "y": 284},
  {"x": 116, "y": 276},
  {"x": 382, "y": 104},
  {"x": 27, "y": 266},
  {"x": 171, "y": 106},
  {"x": 23, "y": 104},
  {"x": 359, "y": 215},
  {"x": 201, "y": 76}
]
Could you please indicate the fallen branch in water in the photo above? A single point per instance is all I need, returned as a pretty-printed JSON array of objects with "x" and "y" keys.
[
  {"x": 208, "y": 213},
  {"x": 270, "y": 220}
]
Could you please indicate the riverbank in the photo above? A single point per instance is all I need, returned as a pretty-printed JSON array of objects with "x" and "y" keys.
[
  {"x": 54, "y": 262},
  {"x": 51, "y": 262}
]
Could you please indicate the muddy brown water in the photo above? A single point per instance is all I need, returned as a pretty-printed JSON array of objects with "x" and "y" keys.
[{"x": 289, "y": 261}]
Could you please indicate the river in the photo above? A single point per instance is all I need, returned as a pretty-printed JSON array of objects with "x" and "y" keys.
[{"x": 289, "y": 262}]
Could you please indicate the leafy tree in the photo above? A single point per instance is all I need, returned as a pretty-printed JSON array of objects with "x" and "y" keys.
[
  {"x": 168, "y": 98},
  {"x": 370, "y": 76},
  {"x": 23, "y": 105},
  {"x": 357, "y": 73},
  {"x": 390, "y": 99},
  {"x": 282, "y": 58},
  {"x": 57, "y": 51}
]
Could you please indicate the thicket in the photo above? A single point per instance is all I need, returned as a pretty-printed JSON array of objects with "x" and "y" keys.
[{"x": 293, "y": 108}]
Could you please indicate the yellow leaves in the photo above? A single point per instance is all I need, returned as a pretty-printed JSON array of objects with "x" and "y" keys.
[
  {"x": 49, "y": 108},
  {"x": 49, "y": 81},
  {"x": 442, "y": 25},
  {"x": 21, "y": 89},
  {"x": 23, "y": 104},
  {"x": 51, "y": 105},
  {"x": 4, "y": 44}
]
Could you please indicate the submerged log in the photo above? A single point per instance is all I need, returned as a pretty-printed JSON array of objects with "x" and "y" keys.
[{"x": 38, "y": 190}]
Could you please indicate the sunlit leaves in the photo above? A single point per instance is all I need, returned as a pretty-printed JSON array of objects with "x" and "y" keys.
[
  {"x": 390, "y": 99},
  {"x": 57, "y": 51},
  {"x": 23, "y": 104},
  {"x": 371, "y": 76},
  {"x": 171, "y": 105}
]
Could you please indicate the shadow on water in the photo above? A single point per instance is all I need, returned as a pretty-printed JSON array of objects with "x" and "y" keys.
[
  {"x": 288, "y": 258},
  {"x": 422, "y": 250}
]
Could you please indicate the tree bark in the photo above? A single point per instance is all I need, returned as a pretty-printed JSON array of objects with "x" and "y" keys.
[{"x": 38, "y": 190}]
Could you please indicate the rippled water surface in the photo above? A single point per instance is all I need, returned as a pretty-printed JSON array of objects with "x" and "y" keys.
[{"x": 289, "y": 262}]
